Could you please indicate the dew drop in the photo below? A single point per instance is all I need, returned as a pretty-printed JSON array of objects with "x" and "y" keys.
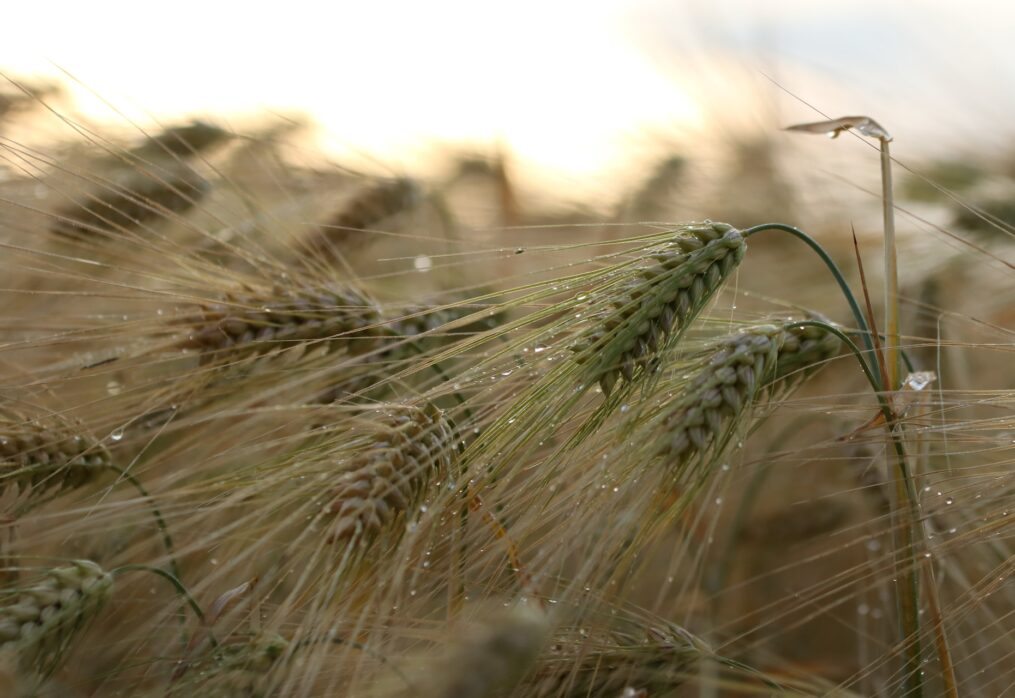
[
  {"x": 117, "y": 434},
  {"x": 422, "y": 263}
]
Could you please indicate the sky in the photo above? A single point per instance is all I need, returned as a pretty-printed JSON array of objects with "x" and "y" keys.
[{"x": 570, "y": 88}]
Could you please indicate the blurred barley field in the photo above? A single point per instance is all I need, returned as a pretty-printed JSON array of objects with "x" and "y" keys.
[{"x": 286, "y": 411}]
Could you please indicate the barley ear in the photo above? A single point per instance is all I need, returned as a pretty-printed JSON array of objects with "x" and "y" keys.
[
  {"x": 408, "y": 447},
  {"x": 673, "y": 285},
  {"x": 39, "y": 623}
]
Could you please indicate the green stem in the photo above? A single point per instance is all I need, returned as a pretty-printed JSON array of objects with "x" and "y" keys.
[
  {"x": 178, "y": 586},
  {"x": 167, "y": 540},
  {"x": 854, "y": 307}
]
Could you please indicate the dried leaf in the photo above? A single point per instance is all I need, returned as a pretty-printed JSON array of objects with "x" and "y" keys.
[
  {"x": 222, "y": 602},
  {"x": 864, "y": 125}
]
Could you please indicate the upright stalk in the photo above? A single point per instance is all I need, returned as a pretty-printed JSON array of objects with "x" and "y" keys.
[{"x": 891, "y": 269}]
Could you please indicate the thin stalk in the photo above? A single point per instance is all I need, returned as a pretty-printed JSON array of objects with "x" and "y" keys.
[
  {"x": 178, "y": 586},
  {"x": 891, "y": 269},
  {"x": 167, "y": 540},
  {"x": 905, "y": 539}
]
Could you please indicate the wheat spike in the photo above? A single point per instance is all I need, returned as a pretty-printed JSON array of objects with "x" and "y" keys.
[
  {"x": 45, "y": 454},
  {"x": 673, "y": 285},
  {"x": 254, "y": 324},
  {"x": 409, "y": 445},
  {"x": 39, "y": 622},
  {"x": 731, "y": 380}
]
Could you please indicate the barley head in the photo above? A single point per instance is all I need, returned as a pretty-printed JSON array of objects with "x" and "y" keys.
[
  {"x": 733, "y": 378},
  {"x": 39, "y": 622},
  {"x": 47, "y": 454},
  {"x": 254, "y": 324},
  {"x": 237, "y": 671},
  {"x": 408, "y": 447},
  {"x": 673, "y": 285}
]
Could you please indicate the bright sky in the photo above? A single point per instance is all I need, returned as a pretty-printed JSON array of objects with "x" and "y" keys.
[{"x": 570, "y": 87}]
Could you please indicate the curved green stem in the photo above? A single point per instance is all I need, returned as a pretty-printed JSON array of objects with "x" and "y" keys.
[
  {"x": 854, "y": 307},
  {"x": 167, "y": 540},
  {"x": 178, "y": 586}
]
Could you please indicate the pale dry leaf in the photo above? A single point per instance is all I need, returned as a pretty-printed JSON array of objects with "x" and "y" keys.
[{"x": 864, "y": 125}]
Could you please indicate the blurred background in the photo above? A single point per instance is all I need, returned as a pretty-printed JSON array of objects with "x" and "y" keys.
[{"x": 577, "y": 93}]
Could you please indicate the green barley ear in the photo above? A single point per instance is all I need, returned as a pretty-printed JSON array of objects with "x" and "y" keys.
[
  {"x": 47, "y": 454},
  {"x": 738, "y": 374},
  {"x": 658, "y": 659},
  {"x": 409, "y": 445},
  {"x": 237, "y": 670},
  {"x": 39, "y": 623},
  {"x": 647, "y": 312},
  {"x": 247, "y": 324}
]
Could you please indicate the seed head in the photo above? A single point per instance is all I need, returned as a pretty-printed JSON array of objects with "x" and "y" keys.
[
  {"x": 733, "y": 378},
  {"x": 254, "y": 324},
  {"x": 48, "y": 454},
  {"x": 409, "y": 446},
  {"x": 39, "y": 622},
  {"x": 672, "y": 287}
]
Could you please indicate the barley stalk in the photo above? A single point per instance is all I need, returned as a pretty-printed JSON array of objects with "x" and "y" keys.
[{"x": 39, "y": 622}]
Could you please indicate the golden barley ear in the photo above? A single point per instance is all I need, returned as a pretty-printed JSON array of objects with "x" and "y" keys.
[
  {"x": 253, "y": 323},
  {"x": 132, "y": 202},
  {"x": 46, "y": 454},
  {"x": 409, "y": 446},
  {"x": 39, "y": 623},
  {"x": 490, "y": 658}
]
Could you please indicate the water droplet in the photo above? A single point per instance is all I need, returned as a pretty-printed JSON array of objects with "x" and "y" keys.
[
  {"x": 625, "y": 408},
  {"x": 114, "y": 387},
  {"x": 919, "y": 380},
  {"x": 539, "y": 348},
  {"x": 519, "y": 250},
  {"x": 422, "y": 263},
  {"x": 117, "y": 434},
  {"x": 949, "y": 500}
]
